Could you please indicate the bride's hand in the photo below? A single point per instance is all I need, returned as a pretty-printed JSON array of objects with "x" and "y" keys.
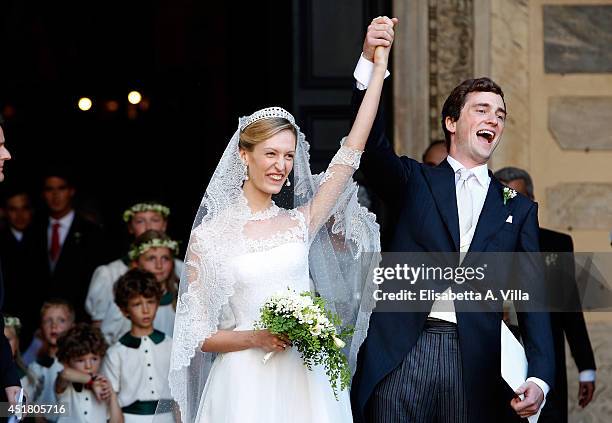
[
  {"x": 381, "y": 56},
  {"x": 268, "y": 342},
  {"x": 381, "y": 52}
]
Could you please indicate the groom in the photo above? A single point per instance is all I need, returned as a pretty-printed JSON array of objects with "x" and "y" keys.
[{"x": 443, "y": 366}]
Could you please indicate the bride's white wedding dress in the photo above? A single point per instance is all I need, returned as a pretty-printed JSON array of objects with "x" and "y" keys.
[{"x": 240, "y": 388}]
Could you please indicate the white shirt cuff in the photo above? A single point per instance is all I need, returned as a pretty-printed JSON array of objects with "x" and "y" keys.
[
  {"x": 543, "y": 385},
  {"x": 587, "y": 376},
  {"x": 363, "y": 72}
]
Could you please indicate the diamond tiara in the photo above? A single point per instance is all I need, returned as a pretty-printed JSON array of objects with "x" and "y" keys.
[{"x": 267, "y": 113}]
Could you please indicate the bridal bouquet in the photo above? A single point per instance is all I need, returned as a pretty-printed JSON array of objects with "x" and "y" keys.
[{"x": 311, "y": 328}]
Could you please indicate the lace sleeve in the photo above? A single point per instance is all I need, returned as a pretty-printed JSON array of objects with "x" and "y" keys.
[{"x": 332, "y": 186}]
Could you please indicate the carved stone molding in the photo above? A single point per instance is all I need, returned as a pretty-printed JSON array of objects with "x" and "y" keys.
[{"x": 451, "y": 46}]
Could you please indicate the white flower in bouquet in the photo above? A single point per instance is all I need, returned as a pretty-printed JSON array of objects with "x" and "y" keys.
[{"x": 311, "y": 328}]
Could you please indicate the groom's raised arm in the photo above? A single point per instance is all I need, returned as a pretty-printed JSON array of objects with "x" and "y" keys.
[{"x": 386, "y": 173}]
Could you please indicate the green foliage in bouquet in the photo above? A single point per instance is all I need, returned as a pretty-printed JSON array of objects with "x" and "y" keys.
[{"x": 311, "y": 328}]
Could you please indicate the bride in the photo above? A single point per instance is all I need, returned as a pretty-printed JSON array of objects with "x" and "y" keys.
[{"x": 244, "y": 248}]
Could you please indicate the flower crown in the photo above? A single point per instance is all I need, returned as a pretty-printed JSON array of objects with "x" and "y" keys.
[
  {"x": 138, "y": 250},
  {"x": 267, "y": 113},
  {"x": 13, "y": 322},
  {"x": 144, "y": 207}
]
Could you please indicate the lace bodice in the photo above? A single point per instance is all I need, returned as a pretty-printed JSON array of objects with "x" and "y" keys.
[
  {"x": 260, "y": 274},
  {"x": 274, "y": 227},
  {"x": 277, "y": 243}
]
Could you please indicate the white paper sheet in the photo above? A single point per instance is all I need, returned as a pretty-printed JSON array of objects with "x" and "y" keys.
[{"x": 514, "y": 364}]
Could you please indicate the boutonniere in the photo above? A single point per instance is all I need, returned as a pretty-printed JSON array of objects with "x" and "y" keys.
[
  {"x": 551, "y": 259},
  {"x": 509, "y": 193}
]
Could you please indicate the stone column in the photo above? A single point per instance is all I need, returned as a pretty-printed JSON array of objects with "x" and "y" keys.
[
  {"x": 411, "y": 78},
  {"x": 509, "y": 67},
  {"x": 432, "y": 54}
]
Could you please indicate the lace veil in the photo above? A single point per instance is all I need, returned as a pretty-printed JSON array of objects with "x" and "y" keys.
[{"x": 344, "y": 247}]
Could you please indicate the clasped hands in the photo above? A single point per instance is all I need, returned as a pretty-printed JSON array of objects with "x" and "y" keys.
[
  {"x": 101, "y": 387},
  {"x": 380, "y": 34}
]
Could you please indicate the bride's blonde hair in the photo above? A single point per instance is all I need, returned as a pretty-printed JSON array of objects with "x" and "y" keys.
[{"x": 263, "y": 130}]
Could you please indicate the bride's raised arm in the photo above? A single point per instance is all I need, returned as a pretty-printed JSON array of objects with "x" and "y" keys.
[{"x": 346, "y": 160}]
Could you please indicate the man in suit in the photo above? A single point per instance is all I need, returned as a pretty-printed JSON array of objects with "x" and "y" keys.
[
  {"x": 435, "y": 153},
  {"x": 69, "y": 247},
  {"x": 566, "y": 324},
  {"x": 8, "y": 371},
  {"x": 442, "y": 365},
  {"x": 14, "y": 242}
]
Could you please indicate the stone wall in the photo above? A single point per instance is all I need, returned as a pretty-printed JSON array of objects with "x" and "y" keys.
[{"x": 600, "y": 408}]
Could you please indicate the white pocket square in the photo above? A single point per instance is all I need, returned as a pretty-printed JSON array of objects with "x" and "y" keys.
[{"x": 509, "y": 219}]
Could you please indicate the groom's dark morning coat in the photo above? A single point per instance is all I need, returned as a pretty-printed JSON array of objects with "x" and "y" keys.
[{"x": 424, "y": 201}]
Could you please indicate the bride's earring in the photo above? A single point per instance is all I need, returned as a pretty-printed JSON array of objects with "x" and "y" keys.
[
  {"x": 246, "y": 172},
  {"x": 288, "y": 183}
]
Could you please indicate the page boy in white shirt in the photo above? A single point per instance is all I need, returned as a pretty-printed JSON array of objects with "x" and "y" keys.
[
  {"x": 137, "y": 365},
  {"x": 56, "y": 317},
  {"x": 87, "y": 395}
]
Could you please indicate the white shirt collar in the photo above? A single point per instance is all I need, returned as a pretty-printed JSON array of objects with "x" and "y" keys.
[
  {"x": 481, "y": 172},
  {"x": 65, "y": 222},
  {"x": 17, "y": 234}
]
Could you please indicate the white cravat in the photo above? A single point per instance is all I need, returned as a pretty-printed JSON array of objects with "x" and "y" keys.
[
  {"x": 470, "y": 199},
  {"x": 465, "y": 205}
]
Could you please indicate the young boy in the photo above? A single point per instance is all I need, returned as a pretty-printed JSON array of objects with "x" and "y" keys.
[
  {"x": 56, "y": 317},
  {"x": 87, "y": 394},
  {"x": 139, "y": 218},
  {"x": 154, "y": 252},
  {"x": 137, "y": 366}
]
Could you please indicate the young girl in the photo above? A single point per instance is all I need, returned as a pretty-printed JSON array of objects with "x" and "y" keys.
[
  {"x": 12, "y": 326},
  {"x": 154, "y": 252},
  {"x": 56, "y": 317},
  {"x": 89, "y": 396},
  {"x": 138, "y": 218}
]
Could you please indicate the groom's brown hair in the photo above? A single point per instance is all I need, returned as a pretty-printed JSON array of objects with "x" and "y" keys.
[{"x": 456, "y": 100}]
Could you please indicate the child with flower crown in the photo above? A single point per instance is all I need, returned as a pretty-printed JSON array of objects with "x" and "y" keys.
[
  {"x": 154, "y": 252},
  {"x": 138, "y": 218}
]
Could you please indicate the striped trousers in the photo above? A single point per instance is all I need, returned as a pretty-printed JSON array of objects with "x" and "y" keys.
[{"x": 427, "y": 387}]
